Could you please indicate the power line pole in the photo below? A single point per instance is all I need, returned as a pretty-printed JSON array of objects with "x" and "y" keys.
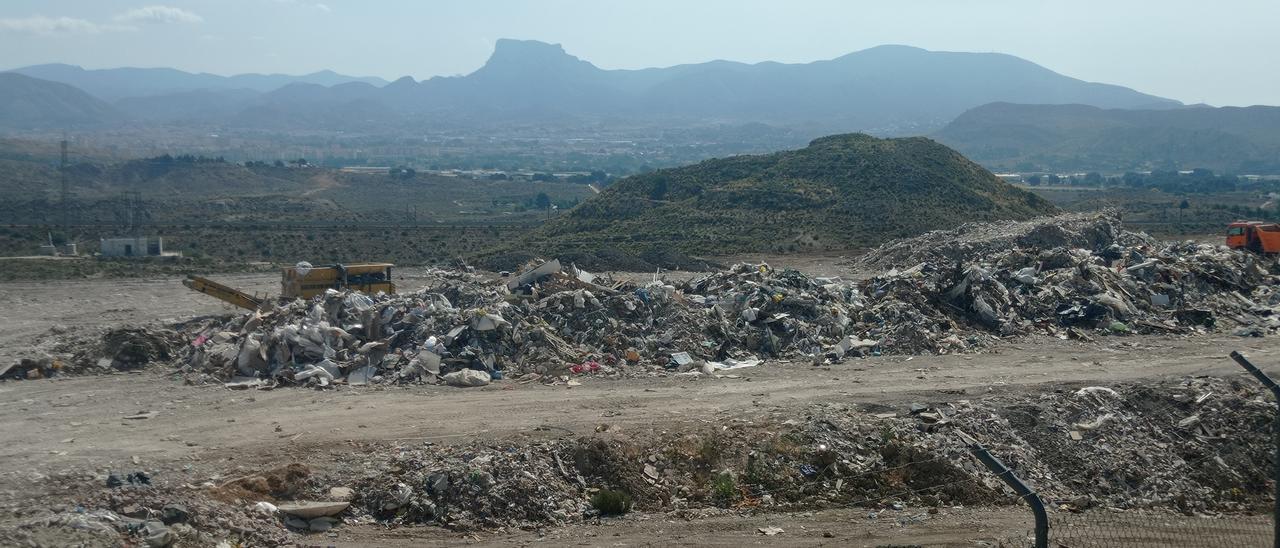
[{"x": 66, "y": 191}]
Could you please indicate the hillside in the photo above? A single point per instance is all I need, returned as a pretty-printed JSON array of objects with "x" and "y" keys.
[
  {"x": 31, "y": 103},
  {"x": 839, "y": 192},
  {"x": 1061, "y": 138}
]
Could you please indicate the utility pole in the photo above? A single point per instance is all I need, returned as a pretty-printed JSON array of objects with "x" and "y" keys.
[{"x": 66, "y": 191}]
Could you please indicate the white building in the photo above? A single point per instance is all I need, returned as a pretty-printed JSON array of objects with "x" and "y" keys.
[{"x": 141, "y": 246}]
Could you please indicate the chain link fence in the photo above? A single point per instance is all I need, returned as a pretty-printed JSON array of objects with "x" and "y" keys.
[
  {"x": 1138, "y": 529},
  {"x": 1148, "y": 528}
]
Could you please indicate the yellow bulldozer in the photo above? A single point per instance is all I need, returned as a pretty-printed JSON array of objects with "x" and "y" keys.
[{"x": 305, "y": 281}]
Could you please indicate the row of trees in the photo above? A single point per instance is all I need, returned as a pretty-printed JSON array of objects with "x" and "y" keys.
[
  {"x": 541, "y": 177},
  {"x": 168, "y": 159},
  {"x": 300, "y": 162},
  {"x": 1197, "y": 181}
]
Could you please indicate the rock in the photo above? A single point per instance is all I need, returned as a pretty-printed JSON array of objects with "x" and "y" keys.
[
  {"x": 310, "y": 510},
  {"x": 174, "y": 513},
  {"x": 156, "y": 535},
  {"x": 132, "y": 510},
  {"x": 343, "y": 494},
  {"x": 321, "y": 525},
  {"x": 467, "y": 378},
  {"x": 265, "y": 508},
  {"x": 650, "y": 471}
]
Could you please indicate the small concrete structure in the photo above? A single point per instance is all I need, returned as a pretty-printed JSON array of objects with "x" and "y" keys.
[{"x": 141, "y": 246}]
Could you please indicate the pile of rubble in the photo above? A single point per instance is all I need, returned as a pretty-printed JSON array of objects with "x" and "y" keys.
[
  {"x": 1197, "y": 446},
  {"x": 1070, "y": 276},
  {"x": 548, "y": 321},
  {"x": 1065, "y": 276},
  {"x": 117, "y": 349}
]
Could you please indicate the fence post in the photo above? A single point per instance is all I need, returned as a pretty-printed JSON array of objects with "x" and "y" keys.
[
  {"x": 1005, "y": 474},
  {"x": 1275, "y": 437}
]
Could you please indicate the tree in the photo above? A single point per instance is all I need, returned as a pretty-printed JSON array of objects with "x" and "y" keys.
[
  {"x": 542, "y": 201},
  {"x": 1033, "y": 180},
  {"x": 1182, "y": 207}
]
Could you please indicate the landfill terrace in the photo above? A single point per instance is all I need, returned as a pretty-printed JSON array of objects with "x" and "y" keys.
[{"x": 556, "y": 404}]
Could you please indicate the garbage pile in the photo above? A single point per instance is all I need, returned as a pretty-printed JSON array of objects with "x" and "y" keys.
[
  {"x": 117, "y": 349},
  {"x": 549, "y": 320},
  {"x": 1072, "y": 276},
  {"x": 476, "y": 487},
  {"x": 1064, "y": 276},
  {"x": 1091, "y": 231},
  {"x": 1196, "y": 446},
  {"x": 135, "y": 347}
]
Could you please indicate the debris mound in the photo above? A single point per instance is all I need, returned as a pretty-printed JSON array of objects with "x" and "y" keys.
[
  {"x": 969, "y": 241},
  {"x": 1063, "y": 276},
  {"x": 1072, "y": 276},
  {"x": 135, "y": 347},
  {"x": 1088, "y": 447}
]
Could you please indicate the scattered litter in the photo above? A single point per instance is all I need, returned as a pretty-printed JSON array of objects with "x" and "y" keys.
[{"x": 141, "y": 415}]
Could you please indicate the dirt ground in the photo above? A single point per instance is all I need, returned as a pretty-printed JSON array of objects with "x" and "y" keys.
[{"x": 203, "y": 433}]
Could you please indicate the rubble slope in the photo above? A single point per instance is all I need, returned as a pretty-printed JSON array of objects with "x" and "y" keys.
[{"x": 1071, "y": 276}]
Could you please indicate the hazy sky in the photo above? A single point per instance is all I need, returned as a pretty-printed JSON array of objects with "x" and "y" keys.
[{"x": 1223, "y": 52}]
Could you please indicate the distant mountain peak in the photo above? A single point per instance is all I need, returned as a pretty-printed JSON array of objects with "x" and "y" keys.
[
  {"x": 403, "y": 81},
  {"x": 896, "y": 47},
  {"x": 518, "y": 57},
  {"x": 525, "y": 48}
]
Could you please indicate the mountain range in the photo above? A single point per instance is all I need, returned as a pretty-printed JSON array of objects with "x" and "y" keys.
[
  {"x": 886, "y": 89},
  {"x": 119, "y": 83},
  {"x": 1064, "y": 138}
]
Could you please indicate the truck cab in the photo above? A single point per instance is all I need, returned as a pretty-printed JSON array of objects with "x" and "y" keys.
[{"x": 1254, "y": 236}]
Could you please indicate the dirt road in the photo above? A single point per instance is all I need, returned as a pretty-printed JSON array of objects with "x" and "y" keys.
[{"x": 195, "y": 422}]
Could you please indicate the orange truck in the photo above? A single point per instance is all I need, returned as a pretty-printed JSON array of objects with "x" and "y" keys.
[{"x": 1255, "y": 236}]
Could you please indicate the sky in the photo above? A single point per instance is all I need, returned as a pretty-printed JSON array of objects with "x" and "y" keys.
[{"x": 1224, "y": 52}]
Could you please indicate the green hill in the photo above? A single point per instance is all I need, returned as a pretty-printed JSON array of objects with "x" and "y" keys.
[{"x": 840, "y": 192}]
